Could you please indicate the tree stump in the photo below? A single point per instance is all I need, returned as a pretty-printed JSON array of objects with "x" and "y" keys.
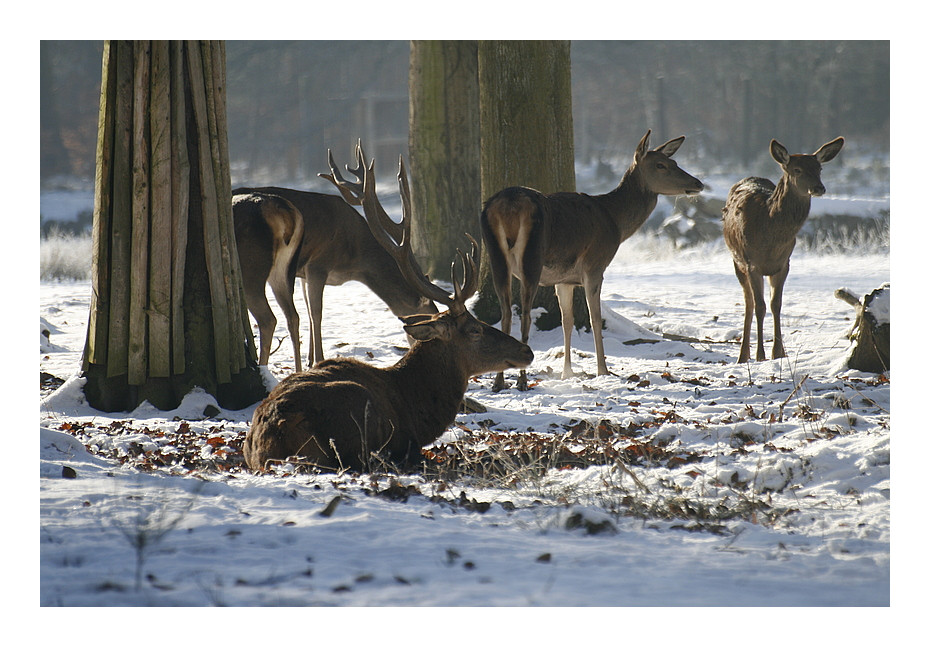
[{"x": 871, "y": 334}]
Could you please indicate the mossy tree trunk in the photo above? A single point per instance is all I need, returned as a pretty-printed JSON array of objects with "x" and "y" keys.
[
  {"x": 444, "y": 150},
  {"x": 167, "y": 309},
  {"x": 526, "y": 140}
]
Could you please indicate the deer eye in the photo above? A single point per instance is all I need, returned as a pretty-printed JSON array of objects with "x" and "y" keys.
[{"x": 661, "y": 166}]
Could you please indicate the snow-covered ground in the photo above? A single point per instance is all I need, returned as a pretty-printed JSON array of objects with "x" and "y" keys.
[{"x": 761, "y": 484}]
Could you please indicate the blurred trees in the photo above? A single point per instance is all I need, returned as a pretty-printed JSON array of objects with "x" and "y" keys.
[
  {"x": 730, "y": 98},
  {"x": 69, "y": 98},
  {"x": 290, "y": 100}
]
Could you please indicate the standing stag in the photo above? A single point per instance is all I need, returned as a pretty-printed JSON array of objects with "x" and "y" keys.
[
  {"x": 342, "y": 411},
  {"x": 761, "y": 222},
  {"x": 334, "y": 246},
  {"x": 568, "y": 239}
]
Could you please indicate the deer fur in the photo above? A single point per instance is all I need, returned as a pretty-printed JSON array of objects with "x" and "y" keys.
[
  {"x": 761, "y": 222},
  {"x": 269, "y": 232},
  {"x": 343, "y": 412},
  {"x": 568, "y": 239}
]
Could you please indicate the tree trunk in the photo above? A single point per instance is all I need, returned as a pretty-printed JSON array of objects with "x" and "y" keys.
[
  {"x": 871, "y": 334},
  {"x": 444, "y": 150},
  {"x": 167, "y": 310},
  {"x": 527, "y": 139}
]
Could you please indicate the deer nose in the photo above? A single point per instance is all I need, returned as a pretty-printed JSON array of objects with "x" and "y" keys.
[
  {"x": 696, "y": 188},
  {"x": 525, "y": 356},
  {"x": 817, "y": 190}
]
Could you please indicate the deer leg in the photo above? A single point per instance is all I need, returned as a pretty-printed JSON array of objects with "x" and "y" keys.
[
  {"x": 313, "y": 296},
  {"x": 592, "y": 292},
  {"x": 746, "y": 343},
  {"x": 527, "y": 295},
  {"x": 504, "y": 296},
  {"x": 282, "y": 285},
  {"x": 257, "y": 304},
  {"x": 266, "y": 325},
  {"x": 758, "y": 300},
  {"x": 777, "y": 284},
  {"x": 563, "y": 292},
  {"x": 283, "y": 289}
]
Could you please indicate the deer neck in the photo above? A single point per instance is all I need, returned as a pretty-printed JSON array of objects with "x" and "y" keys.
[
  {"x": 631, "y": 203},
  {"x": 433, "y": 381},
  {"x": 788, "y": 205}
]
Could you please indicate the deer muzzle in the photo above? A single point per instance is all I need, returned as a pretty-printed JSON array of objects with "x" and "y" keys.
[
  {"x": 521, "y": 359},
  {"x": 696, "y": 188}
]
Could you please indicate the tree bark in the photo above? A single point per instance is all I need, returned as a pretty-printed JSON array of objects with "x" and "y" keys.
[
  {"x": 871, "y": 334},
  {"x": 527, "y": 139},
  {"x": 167, "y": 310},
  {"x": 444, "y": 151}
]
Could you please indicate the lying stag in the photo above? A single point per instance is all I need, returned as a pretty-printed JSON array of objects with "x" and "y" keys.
[
  {"x": 568, "y": 239},
  {"x": 761, "y": 222},
  {"x": 342, "y": 411},
  {"x": 335, "y": 246}
]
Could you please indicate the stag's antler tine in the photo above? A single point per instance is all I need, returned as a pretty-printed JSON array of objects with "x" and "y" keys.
[
  {"x": 469, "y": 284},
  {"x": 360, "y": 166},
  {"x": 350, "y": 191},
  {"x": 399, "y": 234},
  {"x": 405, "y": 208}
]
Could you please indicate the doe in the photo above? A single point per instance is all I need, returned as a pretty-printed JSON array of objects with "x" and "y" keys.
[
  {"x": 568, "y": 239},
  {"x": 761, "y": 222}
]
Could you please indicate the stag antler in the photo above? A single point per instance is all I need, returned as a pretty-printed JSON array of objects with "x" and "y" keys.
[
  {"x": 395, "y": 237},
  {"x": 349, "y": 190}
]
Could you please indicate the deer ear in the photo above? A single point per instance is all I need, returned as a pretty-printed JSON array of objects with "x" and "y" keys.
[
  {"x": 425, "y": 327},
  {"x": 779, "y": 152},
  {"x": 671, "y": 146},
  {"x": 642, "y": 147},
  {"x": 829, "y": 150}
]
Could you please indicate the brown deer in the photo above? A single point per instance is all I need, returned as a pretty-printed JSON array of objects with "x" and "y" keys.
[
  {"x": 269, "y": 231},
  {"x": 568, "y": 239},
  {"x": 761, "y": 222},
  {"x": 342, "y": 411},
  {"x": 335, "y": 246}
]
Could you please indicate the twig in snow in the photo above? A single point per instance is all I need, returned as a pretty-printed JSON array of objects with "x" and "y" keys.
[{"x": 781, "y": 408}]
